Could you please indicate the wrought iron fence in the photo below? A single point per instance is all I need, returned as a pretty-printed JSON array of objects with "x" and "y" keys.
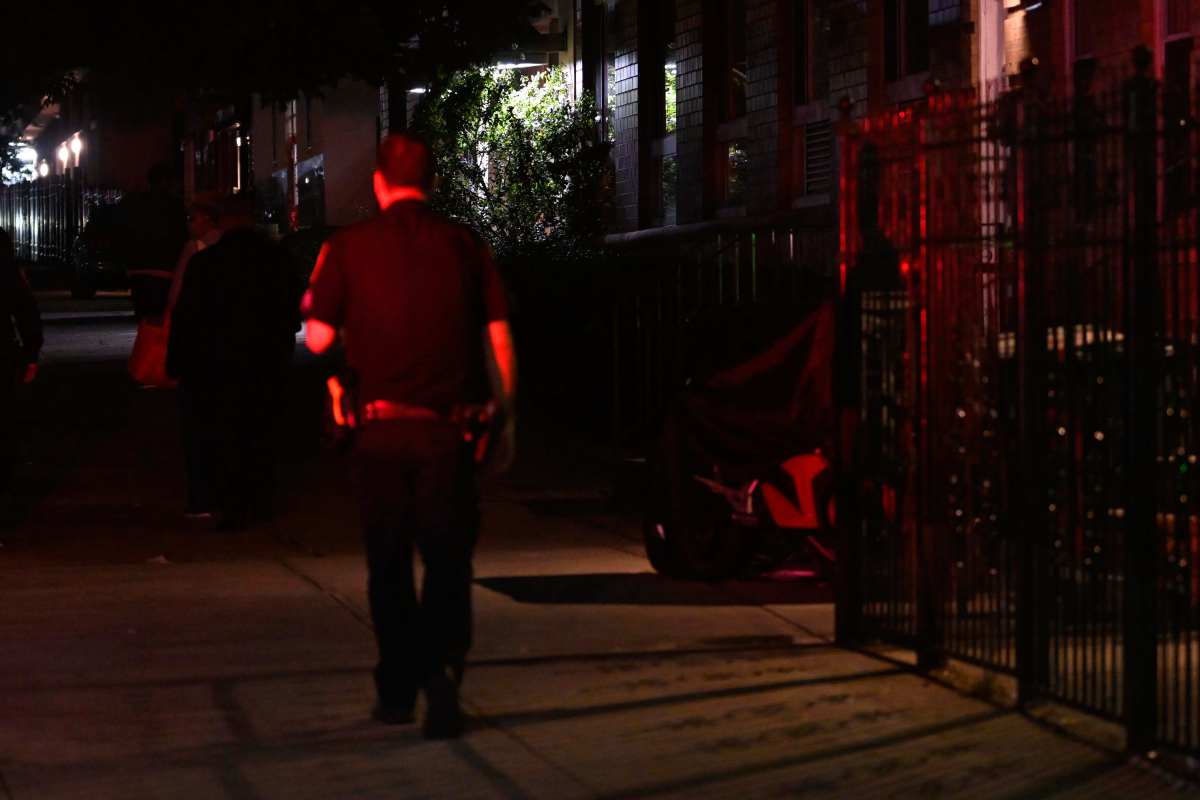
[
  {"x": 672, "y": 276},
  {"x": 44, "y": 216},
  {"x": 1021, "y": 284}
]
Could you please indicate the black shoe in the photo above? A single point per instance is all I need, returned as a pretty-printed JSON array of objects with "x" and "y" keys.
[
  {"x": 390, "y": 715},
  {"x": 443, "y": 718}
]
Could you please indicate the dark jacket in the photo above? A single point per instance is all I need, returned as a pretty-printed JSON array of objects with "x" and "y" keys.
[
  {"x": 237, "y": 314},
  {"x": 21, "y": 340}
]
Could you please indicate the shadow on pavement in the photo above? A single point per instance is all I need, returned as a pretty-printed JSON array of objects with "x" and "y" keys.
[
  {"x": 647, "y": 588},
  {"x": 663, "y": 700}
]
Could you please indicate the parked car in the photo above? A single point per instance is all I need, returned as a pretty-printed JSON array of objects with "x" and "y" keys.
[
  {"x": 739, "y": 479},
  {"x": 95, "y": 262}
]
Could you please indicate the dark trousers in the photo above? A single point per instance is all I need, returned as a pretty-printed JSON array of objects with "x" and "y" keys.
[
  {"x": 8, "y": 427},
  {"x": 201, "y": 444},
  {"x": 229, "y": 433},
  {"x": 416, "y": 487},
  {"x": 149, "y": 294}
]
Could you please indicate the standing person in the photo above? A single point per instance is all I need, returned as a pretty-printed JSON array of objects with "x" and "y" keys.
[
  {"x": 204, "y": 230},
  {"x": 423, "y": 313},
  {"x": 20, "y": 343},
  {"x": 231, "y": 340},
  {"x": 154, "y": 229},
  {"x": 199, "y": 446}
]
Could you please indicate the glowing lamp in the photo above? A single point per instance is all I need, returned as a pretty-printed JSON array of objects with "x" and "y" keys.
[
  {"x": 43, "y": 169},
  {"x": 76, "y": 146},
  {"x": 63, "y": 153}
]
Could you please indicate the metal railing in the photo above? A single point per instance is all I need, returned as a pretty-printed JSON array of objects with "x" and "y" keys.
[
  {"x": 670, "y": 276},
  {"x": 44, "y": 216},
  {"x": 1024, "y": 277}
]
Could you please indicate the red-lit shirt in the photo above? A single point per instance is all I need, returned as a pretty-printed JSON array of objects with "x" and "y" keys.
[{"x": 413, "y": 294}]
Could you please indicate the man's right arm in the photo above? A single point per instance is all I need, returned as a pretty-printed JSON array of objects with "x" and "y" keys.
[
  {"x": 318, "y": 336},
  {"x": 502, "y": 364},
  {"x": 322, "y": 302},
  {"x": 500, "y": 357}
]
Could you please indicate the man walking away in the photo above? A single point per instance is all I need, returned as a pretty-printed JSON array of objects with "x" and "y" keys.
[
  {"x": 20, "y": 343},
  {"x": 423, "y": 313},
  {"x": 232, "y": 334}
]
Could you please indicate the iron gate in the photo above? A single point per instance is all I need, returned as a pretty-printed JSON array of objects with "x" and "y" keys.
[
  {"x": 44, "y": 216},
  {"x": 1021, "y": 315}
]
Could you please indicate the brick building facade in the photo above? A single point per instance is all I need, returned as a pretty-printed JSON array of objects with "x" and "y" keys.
[
  {"x": 1067, "y": 34},
  {"x": 753, "y": 86},
  {"x": 723, "y": 109}
]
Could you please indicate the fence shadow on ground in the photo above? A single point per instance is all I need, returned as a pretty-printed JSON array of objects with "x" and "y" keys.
[{"x": 647, "y": 588}]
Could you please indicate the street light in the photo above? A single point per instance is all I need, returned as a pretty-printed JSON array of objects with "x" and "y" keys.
[
  {"x": 76, "y": 147},
  {"x": 63, "y": 154},
  {"x": 43, "y": 168}
]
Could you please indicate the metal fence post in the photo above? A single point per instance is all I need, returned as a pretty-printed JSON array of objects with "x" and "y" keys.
[
  {"x": 1032, "y": 643},
  {"x": 848, "y": 577},
  {"x": 931, "y": 570},
  {"x": 1141, "y": 385}
]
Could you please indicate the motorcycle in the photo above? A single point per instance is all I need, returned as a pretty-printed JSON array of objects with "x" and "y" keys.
[{"x": 739, "y": 480}]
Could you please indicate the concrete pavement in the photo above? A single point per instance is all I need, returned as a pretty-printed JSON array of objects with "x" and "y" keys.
[{"x": 141, "y": 658}]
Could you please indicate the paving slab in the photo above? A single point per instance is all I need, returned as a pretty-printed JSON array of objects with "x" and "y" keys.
[{"x": 143, "y": 658}]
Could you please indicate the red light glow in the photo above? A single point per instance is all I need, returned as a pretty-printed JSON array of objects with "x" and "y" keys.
[{"x": 791, "y": 574}]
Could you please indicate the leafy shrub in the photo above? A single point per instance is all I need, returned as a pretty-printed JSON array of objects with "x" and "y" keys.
[{"x": 519, "y": 161}]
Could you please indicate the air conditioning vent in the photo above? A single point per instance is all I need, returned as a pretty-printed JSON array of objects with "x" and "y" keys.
[{"x": 818, "y": 157}]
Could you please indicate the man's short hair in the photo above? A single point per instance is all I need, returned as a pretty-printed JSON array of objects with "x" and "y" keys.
[{"x": 405, "y": 160}]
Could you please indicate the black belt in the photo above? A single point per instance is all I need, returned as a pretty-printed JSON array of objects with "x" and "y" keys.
[{"x": 389, "y": 411}]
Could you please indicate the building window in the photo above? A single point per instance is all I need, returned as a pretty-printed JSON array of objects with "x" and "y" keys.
[
  {"x": 905, "y": 38},
  {"x": 734, "y": 61},
  {"x": 732, "y": 153},
  {"x": 801, "y": 53},
  {"x": 668, "y": 165},
  {"x": 290, "y": 126},
  {"x": 737, "y": 173},
  {"x": 1179, "y": 17}
]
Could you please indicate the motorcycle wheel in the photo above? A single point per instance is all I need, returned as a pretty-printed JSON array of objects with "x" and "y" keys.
[{"x": 688, "y": 532}]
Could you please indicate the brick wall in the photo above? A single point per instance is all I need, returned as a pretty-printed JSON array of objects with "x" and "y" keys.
[
  {"x": 689, "y": 43},
  {"x": 839, "y": 58},
  {"x": 842, "y": 39},
  {"x": 623, "y": 93},
  {"x": 763, "y": 30}
]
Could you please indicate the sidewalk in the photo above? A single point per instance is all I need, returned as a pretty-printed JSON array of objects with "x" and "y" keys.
[
  {"x": 250, "y": 679},
  {"x": 143, "y": 659}
]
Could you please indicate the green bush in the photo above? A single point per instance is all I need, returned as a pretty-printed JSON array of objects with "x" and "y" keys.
[{"x": 519, "y": 161}]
